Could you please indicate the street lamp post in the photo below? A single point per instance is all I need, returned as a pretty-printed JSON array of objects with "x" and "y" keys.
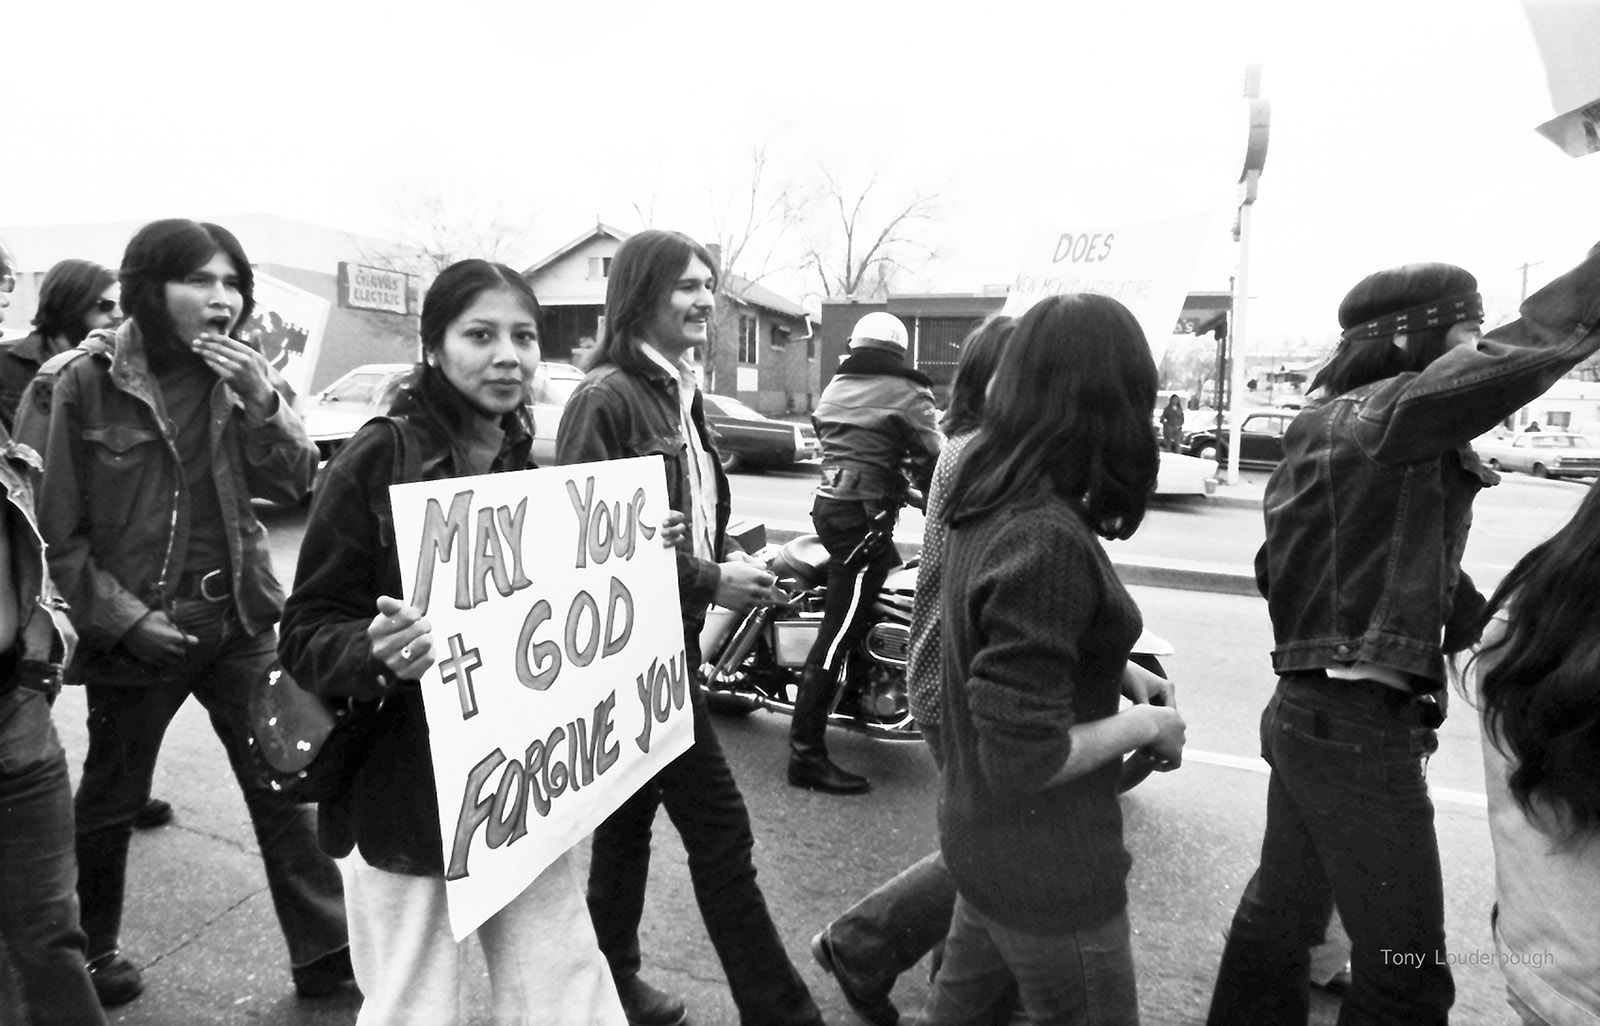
[{"x": 1255, "y": 158}]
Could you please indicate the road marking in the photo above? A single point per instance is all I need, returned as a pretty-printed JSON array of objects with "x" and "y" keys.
[{"x": 1256, "y": 764}]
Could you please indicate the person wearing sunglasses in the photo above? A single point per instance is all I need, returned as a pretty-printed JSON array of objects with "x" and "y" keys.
[{"x": 77, "y": 297}]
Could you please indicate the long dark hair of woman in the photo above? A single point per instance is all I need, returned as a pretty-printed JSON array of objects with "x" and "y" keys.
[
  {"x": 1071, "y": 410},
  {"x": 979, "y": 355},
  {"x": 1541, "y": 692}
]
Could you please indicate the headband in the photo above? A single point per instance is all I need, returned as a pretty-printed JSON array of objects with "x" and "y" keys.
[{"x": 1468, "y": 306}]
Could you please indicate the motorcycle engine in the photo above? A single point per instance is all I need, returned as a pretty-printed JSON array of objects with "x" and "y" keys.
[{"x": 889, "y": 644}]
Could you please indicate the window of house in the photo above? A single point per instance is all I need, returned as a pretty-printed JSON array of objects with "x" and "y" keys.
[
  {"x": 747, "y": 339},
  {"x": 599, "y": 267},
  {"x": 778, "y": 337},
  {"x": 1560, "y": 419}
]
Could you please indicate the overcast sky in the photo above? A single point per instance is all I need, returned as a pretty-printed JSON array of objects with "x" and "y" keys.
[{"x": 1401, "y": 129}]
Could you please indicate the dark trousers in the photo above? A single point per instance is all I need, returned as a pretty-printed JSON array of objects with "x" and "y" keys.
[
  {"x": 126, "y": 726},
  {"x": 703, "y": 801},
  {"x": 854, "y": 575},
  {"x": 42, "y": 947},
  {"x": 1349, "y": 822}
]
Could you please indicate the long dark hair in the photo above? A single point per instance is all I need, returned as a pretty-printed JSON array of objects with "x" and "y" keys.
[
  {"x": 70, "y": 290},
  {"x": 1541, "y": 688},
  {"x": 980, "y": 354},
  {"x": 1073, "y": 393},
  {"x": 169, "y": 250},
  {"x": 458, "y": 287},
  {"x": 644, "y": 270}
]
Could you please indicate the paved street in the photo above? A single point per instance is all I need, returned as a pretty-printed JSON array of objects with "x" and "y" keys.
[{"x": 200, "y": 923}]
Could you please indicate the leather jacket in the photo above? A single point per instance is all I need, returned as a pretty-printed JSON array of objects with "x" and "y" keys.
[
  {"x": 20, "y": 359},
  {"x": 617, "y": 413},
  {"x": 348, "y": 559},
  {"x": 875, "y": 417},
  {"x": 112, "y": 506},
  {"x": 1367, "y": 515}
]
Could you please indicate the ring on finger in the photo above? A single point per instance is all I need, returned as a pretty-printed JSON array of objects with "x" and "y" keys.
[{"x": 405, "y": 653}]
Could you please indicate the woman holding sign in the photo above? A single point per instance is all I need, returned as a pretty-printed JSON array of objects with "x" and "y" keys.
[{"x": 346, "y": 633}]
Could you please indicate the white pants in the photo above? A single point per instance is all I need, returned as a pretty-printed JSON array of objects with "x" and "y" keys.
[{"x": 544, "y": 964}]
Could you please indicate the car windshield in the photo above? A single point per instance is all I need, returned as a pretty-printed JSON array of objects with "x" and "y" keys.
[
  {"x": 729, "y": 407},
  {"x": 357, "y": 388}
]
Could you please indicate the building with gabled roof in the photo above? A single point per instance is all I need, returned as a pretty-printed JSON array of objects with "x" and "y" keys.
[{"x": 763, "y": 348}]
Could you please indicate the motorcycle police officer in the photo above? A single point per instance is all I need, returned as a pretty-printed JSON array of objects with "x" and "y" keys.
[{"x": 876, "y": 422}]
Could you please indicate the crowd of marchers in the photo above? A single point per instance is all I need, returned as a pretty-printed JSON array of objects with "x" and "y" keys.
[{"x": 132, "y": 564}]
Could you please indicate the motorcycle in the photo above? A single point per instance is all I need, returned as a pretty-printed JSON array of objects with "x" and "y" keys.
[{"x": 754, "y": 661}]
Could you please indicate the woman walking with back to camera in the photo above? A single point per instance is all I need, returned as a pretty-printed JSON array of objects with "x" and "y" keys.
[{"x": 1037, "y": 631}]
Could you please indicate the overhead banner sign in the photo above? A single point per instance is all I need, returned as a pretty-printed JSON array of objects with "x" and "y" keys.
[
  {"x": 374, "y": 288},
  {"x": 1567, "y": 34},
  {"x": 288, "y": 324},
  {"x": 559, "y": 686},
  {"x": 1146, "y": 266}
]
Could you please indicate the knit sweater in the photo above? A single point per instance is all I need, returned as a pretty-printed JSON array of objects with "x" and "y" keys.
[{"x": 1036, "y": 634}]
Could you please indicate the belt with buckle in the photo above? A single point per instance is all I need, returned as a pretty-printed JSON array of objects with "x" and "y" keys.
[{"x": 206, "y": 585}]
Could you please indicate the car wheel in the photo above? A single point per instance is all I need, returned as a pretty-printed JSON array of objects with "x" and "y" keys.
[
  {"x": 1540, "y": 470},
  {"x": 731, "y": 462},
  {"x": 1207, "y": 453},
  {"x": 1494, "y": 464}
]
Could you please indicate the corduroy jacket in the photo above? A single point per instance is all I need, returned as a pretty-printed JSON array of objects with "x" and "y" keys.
[{"x": 1367, "y": 515}]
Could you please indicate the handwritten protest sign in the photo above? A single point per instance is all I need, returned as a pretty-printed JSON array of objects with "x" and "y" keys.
[
  {"x": 560, "y": 686},
  {"x": 1146, "y": 266}
]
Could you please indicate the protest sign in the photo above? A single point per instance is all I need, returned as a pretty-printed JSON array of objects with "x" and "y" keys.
[
  {"x": 1147, "y": 266},
  {"x": 1567, "y": 34},
  {"x": 559, "y": 686},
  {"x": 288, "y": 324}
]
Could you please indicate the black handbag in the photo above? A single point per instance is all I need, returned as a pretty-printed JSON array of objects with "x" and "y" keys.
[{"x": 308, "y": 747}]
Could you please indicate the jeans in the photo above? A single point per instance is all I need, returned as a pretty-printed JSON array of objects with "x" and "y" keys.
[
  {"x": 891, "y": 929},
  {"x": 1348, "y": 821},
  {"x": 39, "y": 933},
  {"x": 703, "y": 801},
  {"x": 126, "y": 725},
  {"x": 544, "y": 969},
  {"x": 1083, "y": 978},
  {"x": 853, "y": 584}
]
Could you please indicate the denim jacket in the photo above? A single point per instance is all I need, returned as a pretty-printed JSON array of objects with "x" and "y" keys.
[
  {"x": 44, "y": 631},
  {"x": 1367, "y": 515},
  {"x": 112, "y": 505},
  {"x": 615, "y": 414}
]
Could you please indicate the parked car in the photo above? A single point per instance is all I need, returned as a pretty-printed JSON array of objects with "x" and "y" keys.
[
  {"x": 747, "y": 439},
  {"x": 1185, "y": 475},
  {"x": 335, "y": 413},
  {"x": 553, "y": 385},
  {"x": 1260, "y": 440},
  {"x": 1542, "y": 454}
]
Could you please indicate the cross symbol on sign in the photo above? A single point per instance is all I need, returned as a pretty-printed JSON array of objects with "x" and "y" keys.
[{"x": 458, "y": 668}]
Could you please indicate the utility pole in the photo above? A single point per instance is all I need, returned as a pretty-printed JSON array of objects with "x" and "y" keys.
[
  {"x": 1524, "y": 268},
  {"x": 1255, "y": 158}
]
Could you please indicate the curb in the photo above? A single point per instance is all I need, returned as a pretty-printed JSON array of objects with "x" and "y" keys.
[{"x": 1179, "y": 575}]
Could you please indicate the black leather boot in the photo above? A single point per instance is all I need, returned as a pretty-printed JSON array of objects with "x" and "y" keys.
[
  {"x": 102, "y": 873},
  {"x": 809, "y": 765}
]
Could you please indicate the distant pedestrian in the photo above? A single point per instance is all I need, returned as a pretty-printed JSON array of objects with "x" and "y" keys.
[
  {"x": 639, "y": 398},
  {"x": 1172, "y": 424},
  {"x": 346, "y": 634},
  {"x": 1036, "y": 635},
  {"x": 154, "y": 443},
  {"x": 1533, "y": 425},
  {"x": 1538, "y": 693},
  {"x": 1366, "y": 521},
  {"x": 43, "y": 951}
]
